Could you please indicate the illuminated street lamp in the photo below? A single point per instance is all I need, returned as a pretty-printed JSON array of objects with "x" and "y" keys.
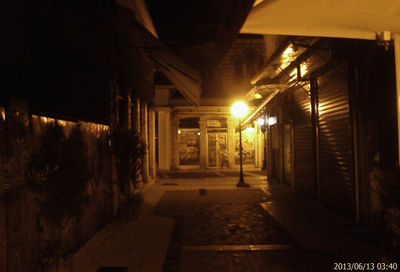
[
  {"x": 262, "y": 122},
  {"x": 239, "y": 110}
]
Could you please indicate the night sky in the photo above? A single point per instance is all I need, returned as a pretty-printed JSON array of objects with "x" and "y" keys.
[
  {"x": 190, "y": 24},
  {"x": 55, "y": 52},
  {"x": 200, "y": 32}
]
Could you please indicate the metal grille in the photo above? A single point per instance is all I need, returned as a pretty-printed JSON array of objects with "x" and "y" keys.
[
  {"x": 303, "y": 143},
  {"x": 335, "y": 144}
]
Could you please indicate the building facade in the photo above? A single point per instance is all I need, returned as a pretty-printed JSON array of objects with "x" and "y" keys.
[
  {"x": 329, "y": 108},
  {"x": 203, "y": 137}
]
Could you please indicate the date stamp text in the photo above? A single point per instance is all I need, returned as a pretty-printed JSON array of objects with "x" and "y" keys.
[{"x": 365, "y": 266}]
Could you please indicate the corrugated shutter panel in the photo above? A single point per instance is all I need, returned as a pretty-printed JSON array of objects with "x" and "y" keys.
[
  {"x": 303, "y": 143},
  {"x": 335, "y": 142}
]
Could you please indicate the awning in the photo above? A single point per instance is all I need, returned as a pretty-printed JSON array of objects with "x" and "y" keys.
[
  {"x": 268, "y": 92},
  {"x": 133, "y": 36},
  {"x": 141, "y": 13},
  {"x": 186, "y": 80},
  {"x": 283, "y": 67},
  {"x": 358, "y": 19}
]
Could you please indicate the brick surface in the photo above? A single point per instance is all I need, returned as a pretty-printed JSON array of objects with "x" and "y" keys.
[{"x": 228, "y": 217}]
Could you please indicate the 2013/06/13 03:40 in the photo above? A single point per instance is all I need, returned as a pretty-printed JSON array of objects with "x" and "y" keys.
[{"x": 365, "y": 266}]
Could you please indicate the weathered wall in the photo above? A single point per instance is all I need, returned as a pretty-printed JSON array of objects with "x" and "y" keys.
[
  {"x": 26, "y": 241},
  {"x": 232, "y": 75}
]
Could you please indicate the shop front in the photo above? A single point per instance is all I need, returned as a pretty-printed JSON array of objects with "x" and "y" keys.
[{"x": 205, "y": 138}]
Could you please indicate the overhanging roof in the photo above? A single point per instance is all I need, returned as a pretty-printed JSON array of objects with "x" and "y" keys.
[
  {"x": 358, "y": 19},
  {"x": 187, "y": 81},
  {"x": 281, "y": 71},
  {"x": 269, "y": 92}
]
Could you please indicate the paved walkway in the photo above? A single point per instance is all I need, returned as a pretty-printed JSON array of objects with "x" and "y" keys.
[{"x": 200, "y": 221}]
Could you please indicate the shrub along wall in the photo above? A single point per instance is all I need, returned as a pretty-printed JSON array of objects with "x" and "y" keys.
[{"x": 56, "y": 194}]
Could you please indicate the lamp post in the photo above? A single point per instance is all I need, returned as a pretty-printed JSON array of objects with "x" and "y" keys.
[{"x": 239, "y": 110}]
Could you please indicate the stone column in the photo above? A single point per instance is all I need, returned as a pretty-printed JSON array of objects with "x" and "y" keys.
[
  {"x": 152, "y": 144},
  {"x": 136, "y": 109},
  {"x": 231, "y": 142},
  {"x": 175, "y": 144},
  {"x": 129, "y": 112},
  {"x": 164, "y": 138},
  {"x": 144, "y": 136},
  {"x": 203, "y": 142}
]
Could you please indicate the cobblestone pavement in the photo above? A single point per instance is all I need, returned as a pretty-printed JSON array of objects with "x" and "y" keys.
[{"x": 205, "y": 220}]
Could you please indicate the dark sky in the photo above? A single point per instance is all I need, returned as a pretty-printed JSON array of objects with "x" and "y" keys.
[
  {"x": 200, "y": 31},
  {"x": 180, "y": 22},
  {"x": 51, "y": 50},
  {"x": 50, "y": 57}
]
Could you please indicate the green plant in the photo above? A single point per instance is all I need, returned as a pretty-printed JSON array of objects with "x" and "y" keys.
[
  {"x": 128, "y": 150},
  {"x": 13, "y": 149},
  {"x": 58, "y": 172}
]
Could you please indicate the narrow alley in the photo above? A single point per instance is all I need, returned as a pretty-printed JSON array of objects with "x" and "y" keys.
[
  {"x": 200, "y": 221},
  {"x": 201, "y": 135}
]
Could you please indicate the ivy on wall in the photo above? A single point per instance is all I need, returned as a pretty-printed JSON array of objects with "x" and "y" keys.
[
  {"x": 59, "y": 171},
  {"x": 128, "y": 150}
]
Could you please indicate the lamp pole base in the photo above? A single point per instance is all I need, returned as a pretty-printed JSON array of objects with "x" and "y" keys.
[
  {"x": 241, "y": 183},
  {"x": 245, "y": 185}
]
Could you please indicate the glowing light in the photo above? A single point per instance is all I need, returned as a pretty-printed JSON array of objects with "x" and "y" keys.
[
  {"x": 198, "y": 133},
  {"x": 293, "y": 75},
  {"x": 87, "y": 126},
  {"x": 261, "y": 121},
  {"x": 272, "y": 121},
  {"x": 307, "y": 86},
  {"x": 320, "y": 109},
  {"x": 3, "y": 113},
  {"x": 303, "y": 69},
  {"x": 249, "y": 130},
  {"x": 288, "y": 54},
  {"x": 62, "y": 123},
  {"x": 257, "y": 96},
  {"x": 46, "y": 119},
  {"x": 239, "y": 109},
  {"x": 179, "y": 132}
]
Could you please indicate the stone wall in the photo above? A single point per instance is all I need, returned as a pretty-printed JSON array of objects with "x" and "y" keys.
[{"x": 27, "y": 243}]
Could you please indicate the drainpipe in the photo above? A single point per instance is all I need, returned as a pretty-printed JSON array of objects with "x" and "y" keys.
[
  {"x": 315, "y": 127},
  {"x": 354, "y": 104},
  {"x": 396, "y": 39}
]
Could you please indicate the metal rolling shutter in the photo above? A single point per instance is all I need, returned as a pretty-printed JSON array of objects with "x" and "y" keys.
[
  {"x": 303, "y": 143},
  {"x": 335, "y": 142}
]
